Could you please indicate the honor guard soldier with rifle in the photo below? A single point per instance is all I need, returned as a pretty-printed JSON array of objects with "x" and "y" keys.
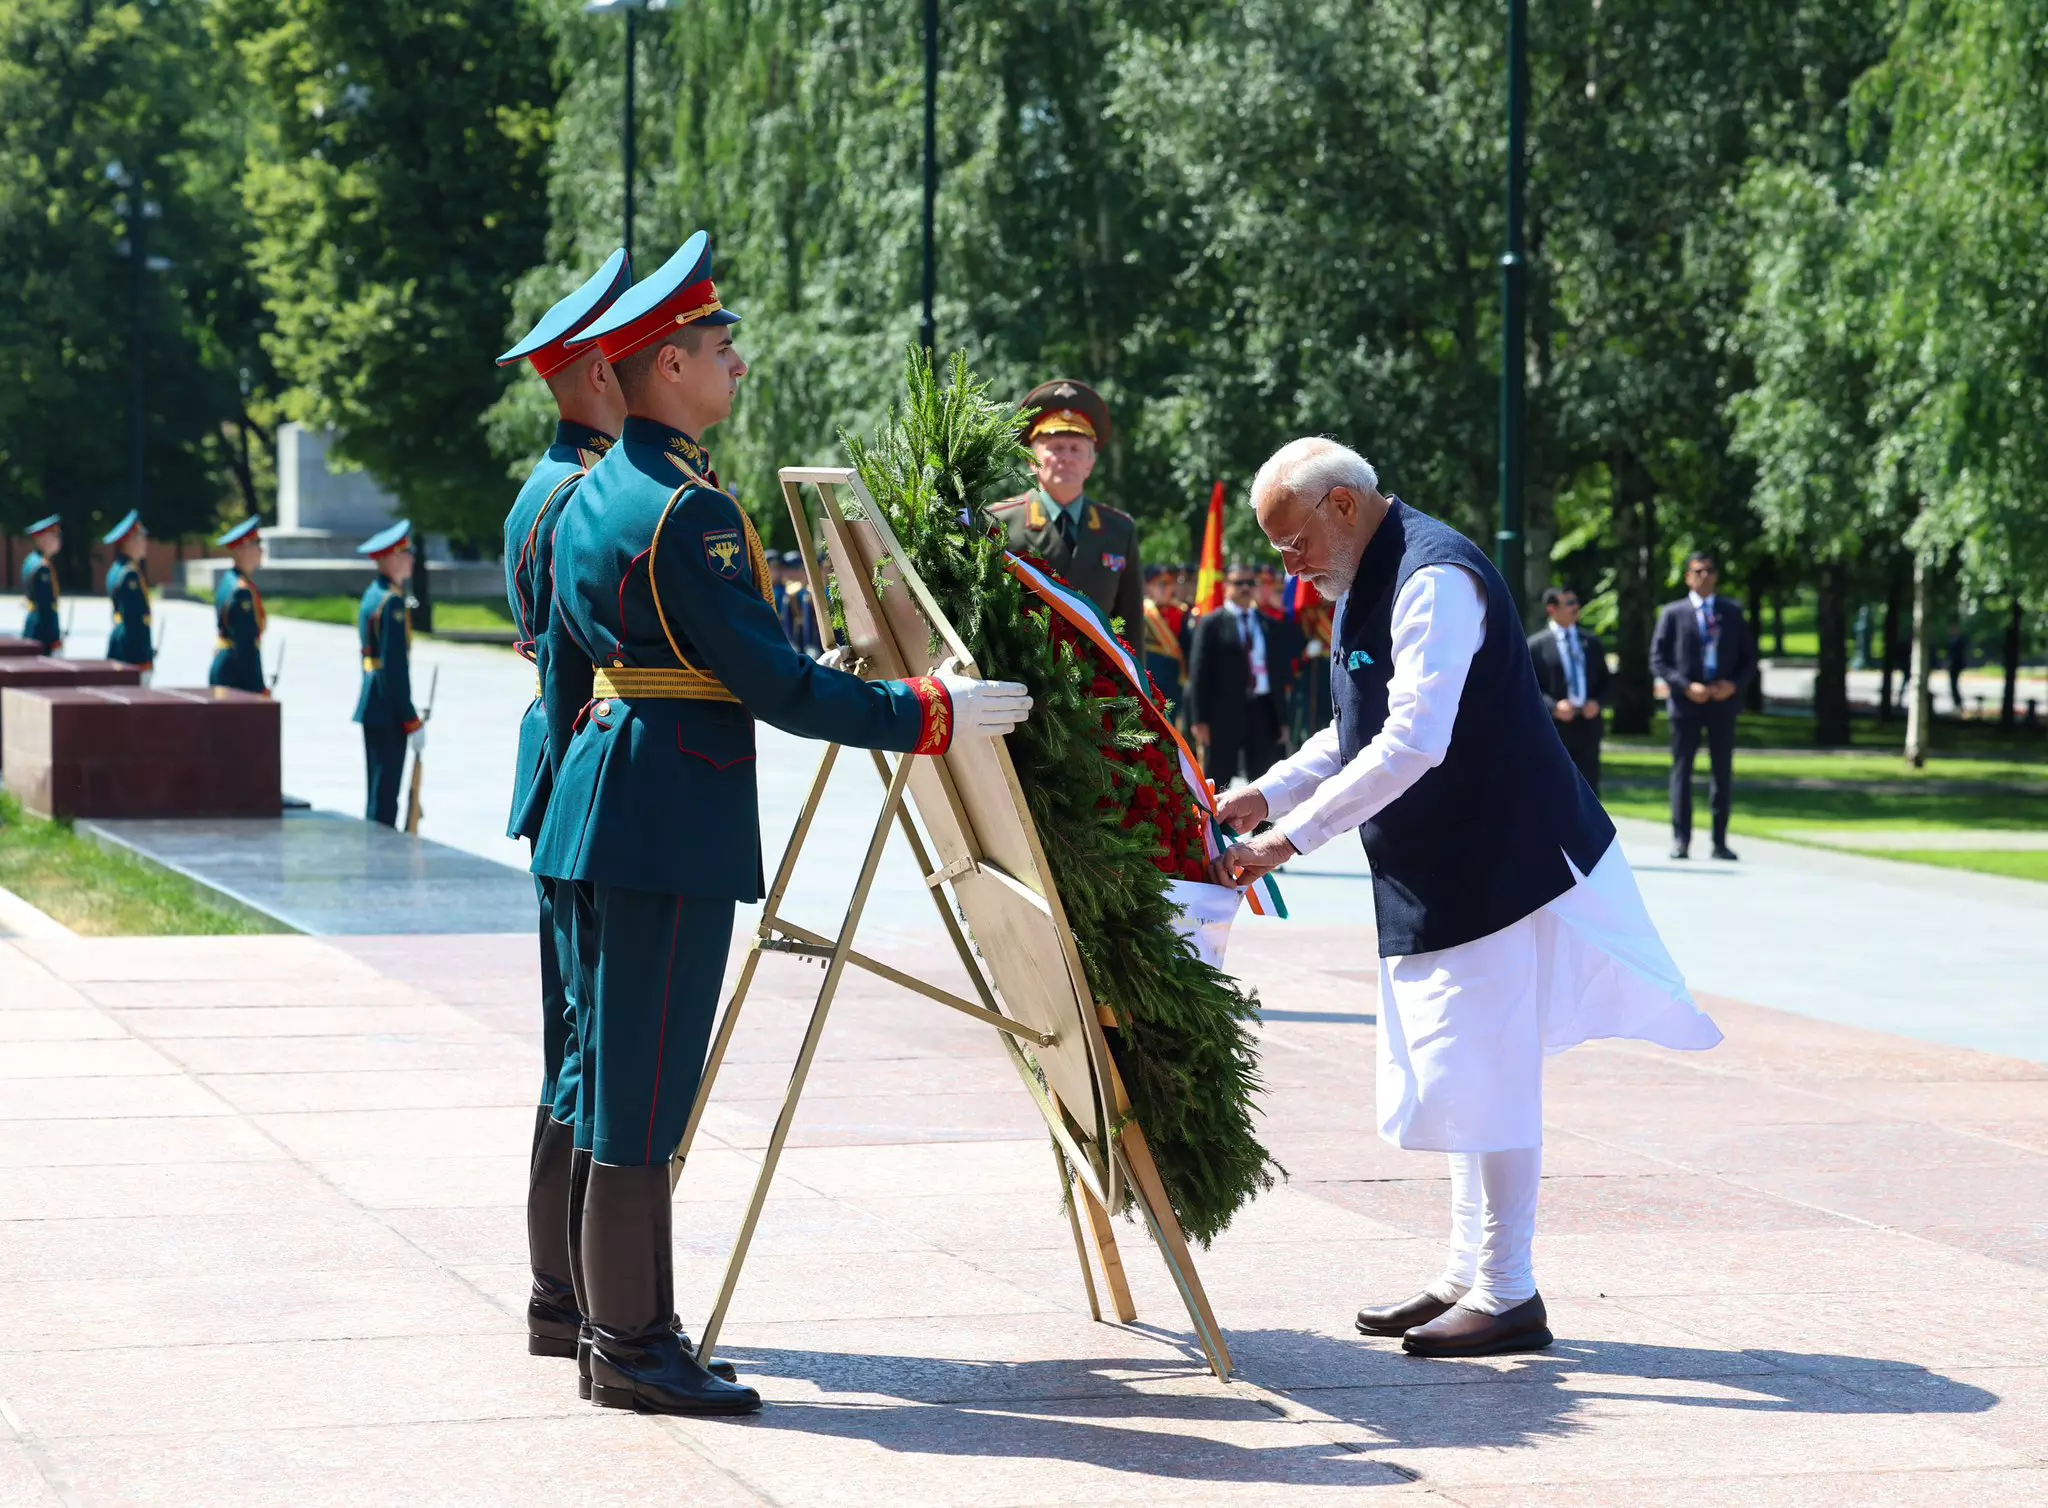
[
  {"x": 1091, "y": 545},
  {"x": 662, "y": 650},
  {"x": 586, "y": 395},
  {"x": 128, "y": 594},
  {"x": 384, "y": 631},
  {"x": 238, "y": 616},
  {"x": 39, "y": 584}
]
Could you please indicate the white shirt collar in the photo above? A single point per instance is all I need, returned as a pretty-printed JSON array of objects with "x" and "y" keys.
[
  {"x": 1699, "y": 602},
  {"x": 1561, "y": 630}
]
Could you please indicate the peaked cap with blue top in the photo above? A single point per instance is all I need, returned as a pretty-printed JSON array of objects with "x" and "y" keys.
[
  {"x": 43, "y": 523},
  {"x": 240, "y": 532},
  {"x": 546, "y": 345},
  {"x": 121, "y": 530},
  {"x": 677, "y": 293},
  {"x": 397, "y": 537}
]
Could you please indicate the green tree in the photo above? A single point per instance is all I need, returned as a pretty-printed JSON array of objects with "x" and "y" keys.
[
  {"x": 396, "y": 180},
  {"x": 120, "y": 234}
]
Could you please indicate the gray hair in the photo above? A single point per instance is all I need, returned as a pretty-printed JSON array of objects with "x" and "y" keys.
[{"x": 1313, "y": 465}]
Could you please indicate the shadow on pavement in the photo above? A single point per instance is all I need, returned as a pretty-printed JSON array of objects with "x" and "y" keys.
[{"x": 1158, "y": 1414}]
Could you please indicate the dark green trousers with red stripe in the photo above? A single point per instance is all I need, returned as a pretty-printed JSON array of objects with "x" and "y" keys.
[{"x": 650, "y": 969}]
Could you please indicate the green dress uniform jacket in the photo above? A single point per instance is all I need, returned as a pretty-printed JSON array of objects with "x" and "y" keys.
[
  {"x": 238, "y": 620},
  {"x": 384, "y": 707},
  {"x": 657, "y": 570},
  {"x": 384, "y": 631},
  {"x": 662, "y": 649},
  {"x": 39, "y": 589},
  {"x": 530, "y": 593},
  {"x": 130, "y": 642},
  {"x": 1102, "y": 563}
]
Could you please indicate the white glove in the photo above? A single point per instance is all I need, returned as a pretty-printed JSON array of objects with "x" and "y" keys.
[
  {"x": 418, "y": 739},
  {"x": 835, "y": 658},
  {"x": 983, "y": 709}
]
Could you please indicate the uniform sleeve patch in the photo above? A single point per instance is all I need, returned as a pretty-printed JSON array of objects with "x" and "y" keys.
[{"x": 724, "y": 550}]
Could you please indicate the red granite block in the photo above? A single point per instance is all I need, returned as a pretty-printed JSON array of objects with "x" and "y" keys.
[
  {"x": 40, "y": 671},
  {"x": 14, "y": 647},
  {"x": 122, "y": 751}
]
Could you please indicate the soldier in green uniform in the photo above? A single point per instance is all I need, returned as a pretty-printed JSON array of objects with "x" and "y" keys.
[
  {"x": 586, "y": 395},
  {"x": 39, "y": 584},
  {"x": 128, "y": 591},
  {"x": 1092, "y": 545},
  {"x": 662, "y": 650},
  {"x": 238, "y": 616},
  {"x": 384, "y": 631}
]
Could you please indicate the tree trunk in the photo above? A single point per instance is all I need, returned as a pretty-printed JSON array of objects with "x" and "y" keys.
[
  {"x": 1894, "y": 611},
  {"x": 2008, "y": 699},
  {"x": 1920, "y": 711},
  {"x": 1778, "y": 621},
  {"x": 1635, "y": 586},
  {"x": 1831, "y": 671}
]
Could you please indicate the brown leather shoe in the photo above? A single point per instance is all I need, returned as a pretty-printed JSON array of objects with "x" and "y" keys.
[
  {"x": 1399, "y": 1319},
  {"x": 1467, "y": 1332}
]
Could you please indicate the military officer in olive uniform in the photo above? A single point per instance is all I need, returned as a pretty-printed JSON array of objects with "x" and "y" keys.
[
  {"x": 39, "y": 584},
  {"x": 662, "y": 650},
  {"x": 586, "y": 394},
  {"x": 238, "y": 615},
  {"x": 128, "y": 592},
  {"x": 1092, "y": 545},
  {"x": 384, "y": 631}
]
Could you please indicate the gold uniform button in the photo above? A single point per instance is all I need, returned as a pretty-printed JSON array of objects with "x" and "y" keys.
[{"x": 603, "y": 709}]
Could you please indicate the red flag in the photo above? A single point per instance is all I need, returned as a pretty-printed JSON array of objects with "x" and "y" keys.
[{"x": 1209, "y": 581}]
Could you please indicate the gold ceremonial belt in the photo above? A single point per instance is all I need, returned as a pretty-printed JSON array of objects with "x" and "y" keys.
[
  {"x": 629, "y": 684},
  {"x": 371, "y": 663},
  {"x": 223, "y": 643}
]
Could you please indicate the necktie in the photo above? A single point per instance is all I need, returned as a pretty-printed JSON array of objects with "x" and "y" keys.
[
  {"x": 1575, "y": 668},
  {"x": 1064, "y": 522},
  {"x": 1710, "y": 639}
]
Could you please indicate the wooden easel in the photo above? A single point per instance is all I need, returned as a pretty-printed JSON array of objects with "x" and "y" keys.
[{"x": 1099, "y": 1150}]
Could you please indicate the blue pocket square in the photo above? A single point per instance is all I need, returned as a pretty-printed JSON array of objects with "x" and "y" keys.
[{"x": 1358, "y": 661}]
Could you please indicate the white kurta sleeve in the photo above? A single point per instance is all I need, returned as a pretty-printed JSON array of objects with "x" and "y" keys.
[
  {"x": 1439, "y": 624},
  {"x": 1294, "y": 780}
]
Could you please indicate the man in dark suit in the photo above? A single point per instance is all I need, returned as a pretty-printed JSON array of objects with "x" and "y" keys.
[
  {"x": 1234, "y": 684},
  {"x": 1704, "y": 656},
  {"x": 1571, "y": 669}
]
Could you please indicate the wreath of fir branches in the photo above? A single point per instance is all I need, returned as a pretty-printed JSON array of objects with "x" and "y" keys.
[{"x": 1184, "y": 1044}]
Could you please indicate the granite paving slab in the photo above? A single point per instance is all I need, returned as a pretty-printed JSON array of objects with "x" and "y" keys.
[
  {"x": 329, "y": 875},
  {"x": 1802, "y": 1269}
]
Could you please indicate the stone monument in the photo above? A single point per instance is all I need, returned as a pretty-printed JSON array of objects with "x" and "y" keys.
[{"x": 322, "y": 515}]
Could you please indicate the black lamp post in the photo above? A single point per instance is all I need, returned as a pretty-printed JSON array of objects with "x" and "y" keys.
[
  {"x": 632, "y": 8},
  {"x": 929, "y": 334},
  {"x": 1509, "y": 542},
  {"x": 137, "y": 211}
]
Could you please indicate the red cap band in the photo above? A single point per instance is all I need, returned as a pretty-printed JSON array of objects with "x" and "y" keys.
[{"x": 684, "y": 305}]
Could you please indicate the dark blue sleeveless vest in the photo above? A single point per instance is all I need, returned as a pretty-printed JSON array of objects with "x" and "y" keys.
[{"x": 1480, "y": 841}]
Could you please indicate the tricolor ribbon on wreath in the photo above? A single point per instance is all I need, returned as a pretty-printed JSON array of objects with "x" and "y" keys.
[{"x": 1086, "y": 619}]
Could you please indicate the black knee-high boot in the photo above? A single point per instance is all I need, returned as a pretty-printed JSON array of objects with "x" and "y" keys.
[
  {"x": 579, "y": 1184},
  {"x": 637, "y": 1361},
  {"x": 552, "y": 1314}
]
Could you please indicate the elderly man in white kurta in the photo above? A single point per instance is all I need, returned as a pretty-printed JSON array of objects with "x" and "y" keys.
[{"x": 1509, "y": 922}]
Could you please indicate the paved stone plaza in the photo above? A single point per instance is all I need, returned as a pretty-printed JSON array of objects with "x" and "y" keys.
[
  {"x": 260, "y": 1206},
  {"x": 263, "y": 1239}
]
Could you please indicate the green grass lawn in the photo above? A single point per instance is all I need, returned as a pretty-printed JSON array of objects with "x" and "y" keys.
[
  {"x": 1988, "y": 778},
  {"x": 454, "y": 617},
  {"x": 2015, "y": 866},
  {"x": 102, "y": 894}
]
